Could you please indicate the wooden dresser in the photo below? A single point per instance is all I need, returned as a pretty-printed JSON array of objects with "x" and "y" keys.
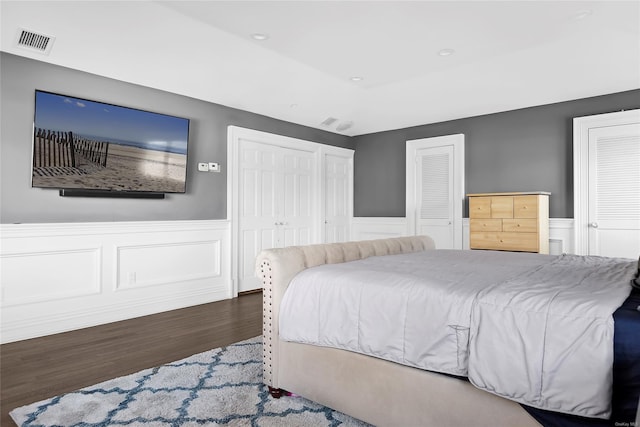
[{"x": 509, "y": 221}]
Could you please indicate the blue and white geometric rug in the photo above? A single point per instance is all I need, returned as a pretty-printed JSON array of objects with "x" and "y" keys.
[{"x": 217, "y": 387}]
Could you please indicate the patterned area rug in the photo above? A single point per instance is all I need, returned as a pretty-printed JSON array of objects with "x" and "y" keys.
[{"x": 217, "y": 387}]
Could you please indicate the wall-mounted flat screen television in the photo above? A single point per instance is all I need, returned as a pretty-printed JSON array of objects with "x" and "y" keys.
[{"x": 98, "y": 148}]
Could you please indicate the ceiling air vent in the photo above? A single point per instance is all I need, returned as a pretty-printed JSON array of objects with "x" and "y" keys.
[
  {"x": 34, "y": 42},
  {"x": 344, "y": 126},
  {"x": 329, "y": 121}
]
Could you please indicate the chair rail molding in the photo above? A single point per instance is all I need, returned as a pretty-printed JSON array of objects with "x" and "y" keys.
[{"x": 60, "y": 277}]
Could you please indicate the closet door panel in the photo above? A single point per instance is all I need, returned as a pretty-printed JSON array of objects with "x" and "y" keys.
[
  {"x": 297, "y": 219},
  {"x": 260, "y": 201},
  {"x": 338, "y": 194}
]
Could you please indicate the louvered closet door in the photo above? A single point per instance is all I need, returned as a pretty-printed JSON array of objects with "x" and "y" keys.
[
  {"x": 435, "y": 191},
  {"x": 614, "y": 191}
]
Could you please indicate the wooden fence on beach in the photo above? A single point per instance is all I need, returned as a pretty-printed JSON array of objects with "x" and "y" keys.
[{"x": 60, "y": 149}]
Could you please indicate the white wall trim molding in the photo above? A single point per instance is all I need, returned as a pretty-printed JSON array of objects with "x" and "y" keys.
[
  {"x": 127, "y": 278},
  {"x": 67, "y": 321},
  {"x": 65, "y": 276},
  {"x": 83, "y": 285},
  {"x": 366, "y": 228},
  {"x": 369, "y": 228},
  {"x": 561, "y": 236},
  {"x": 102, "y": 228}
]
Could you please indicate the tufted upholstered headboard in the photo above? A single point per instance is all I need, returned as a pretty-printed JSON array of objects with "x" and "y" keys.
[{"x": 276, "y": 267}]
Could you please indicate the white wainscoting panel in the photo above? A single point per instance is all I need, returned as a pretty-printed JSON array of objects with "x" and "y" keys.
[
  {"x": 561, "y": 236},
  {"x": 365, "y": 228},
  {"x": 154, "y": 265},
  {"x": 60, "y": 277},
  {"x": 78, "y": 274},
  {"x": 369, "y": 228}
]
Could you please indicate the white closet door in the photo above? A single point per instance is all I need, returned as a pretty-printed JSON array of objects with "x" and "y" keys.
[
  {"x": 296, "y": 198},
  {"x": 259, "y": 206},
  {"x": 276, "y": 203},
  {"x": 338, "y": 173},
  {"x": 435, "y": 192},
  {"x": 276, "y": 193},
  {"x": 435, "y": 189},
  {"x": 614, "y": 191}
]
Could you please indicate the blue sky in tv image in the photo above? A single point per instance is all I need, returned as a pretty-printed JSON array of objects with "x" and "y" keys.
[{"x": 111, "y": 123}]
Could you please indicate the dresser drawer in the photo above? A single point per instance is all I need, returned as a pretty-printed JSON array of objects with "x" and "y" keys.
[
  {"x": 502, "y": 207},
  {"x": 525, "y": 207},
  {"x": 520, "y": 225},
  {"x": 505, "y": 241},
  {"x": 485, "y": 224},
  {"x": 480, "y": 207}
]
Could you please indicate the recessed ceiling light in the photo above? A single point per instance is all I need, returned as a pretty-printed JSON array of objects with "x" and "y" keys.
[
  {"x": 356, "y": 79},
  {"x": 446, "y": 52},
  {"x": 259, "y": 36}
]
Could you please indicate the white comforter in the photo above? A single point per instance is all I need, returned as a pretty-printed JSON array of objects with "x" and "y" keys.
[{"x": 518, "y": 325}]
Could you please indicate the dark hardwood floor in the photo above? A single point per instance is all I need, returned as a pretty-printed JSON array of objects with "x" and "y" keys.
[{"x": 40, "y": 368}]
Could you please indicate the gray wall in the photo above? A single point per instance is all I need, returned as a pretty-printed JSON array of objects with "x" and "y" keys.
[
  {"x": 206, "y": 192},
  {"x": 521, "y": 150}
]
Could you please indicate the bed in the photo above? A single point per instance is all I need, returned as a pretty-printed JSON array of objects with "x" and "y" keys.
[{"x": 381, "y": 391}]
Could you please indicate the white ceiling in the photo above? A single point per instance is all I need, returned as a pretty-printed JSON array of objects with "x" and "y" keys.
[{"x": 508, "y": 54}]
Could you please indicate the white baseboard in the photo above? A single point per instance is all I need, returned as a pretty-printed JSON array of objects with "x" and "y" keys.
[
  {"x": 365, "y": 228},
  {"x": 60, "y": 277}
]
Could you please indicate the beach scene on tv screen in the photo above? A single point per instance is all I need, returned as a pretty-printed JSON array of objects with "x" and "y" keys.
[{"x": 83, "y": 144}]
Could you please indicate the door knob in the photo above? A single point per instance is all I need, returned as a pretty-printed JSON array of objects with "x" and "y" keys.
[{"x": 593, "y": 225}]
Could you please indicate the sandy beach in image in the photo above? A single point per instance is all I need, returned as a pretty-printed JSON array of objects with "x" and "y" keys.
[{"x": 128, "y": 168}]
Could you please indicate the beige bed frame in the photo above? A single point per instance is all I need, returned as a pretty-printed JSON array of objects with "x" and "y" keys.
[{"x": 374, "y": 390}]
